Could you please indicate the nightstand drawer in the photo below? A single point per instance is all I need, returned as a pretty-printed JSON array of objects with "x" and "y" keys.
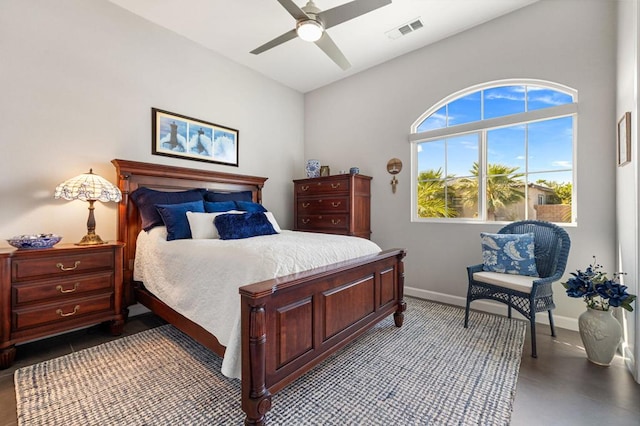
[
  {"x": 323, "y": 205},
  {"x": 61, "y": 289},
  {"x": 58, "y": 312},
  {"x": 310, "y": 187},
  {"x": 60, "y": 265},
  {"x": 325, "y": 221}
]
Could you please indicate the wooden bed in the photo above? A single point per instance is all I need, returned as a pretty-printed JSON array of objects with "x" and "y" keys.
[{"x": 288, "y": 324}]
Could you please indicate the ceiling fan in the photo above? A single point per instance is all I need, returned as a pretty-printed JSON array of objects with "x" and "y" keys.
[{"x": 312, "y": 23}]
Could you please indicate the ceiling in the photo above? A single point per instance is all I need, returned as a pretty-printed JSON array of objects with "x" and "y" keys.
[{"x": 233, "y": 28}]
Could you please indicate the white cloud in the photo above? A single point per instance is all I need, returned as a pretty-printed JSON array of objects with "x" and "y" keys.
[{"x": 562, "y": 163}]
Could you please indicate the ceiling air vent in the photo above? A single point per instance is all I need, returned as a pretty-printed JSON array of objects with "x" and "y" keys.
[{"x": 404, "y": 29}]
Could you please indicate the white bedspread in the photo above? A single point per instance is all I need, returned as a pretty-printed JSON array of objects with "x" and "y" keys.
[{"x": 200, "y": 278}]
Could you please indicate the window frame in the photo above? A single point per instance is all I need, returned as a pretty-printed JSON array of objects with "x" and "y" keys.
[{"x": 482, "y": 127}]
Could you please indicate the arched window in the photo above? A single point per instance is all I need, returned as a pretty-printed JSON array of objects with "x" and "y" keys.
[{"x": 491, "y": 152}]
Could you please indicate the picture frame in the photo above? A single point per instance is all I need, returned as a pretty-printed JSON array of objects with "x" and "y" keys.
[
  {"x": 624, "y": 139},
  {"x": 179, "y": 136}
]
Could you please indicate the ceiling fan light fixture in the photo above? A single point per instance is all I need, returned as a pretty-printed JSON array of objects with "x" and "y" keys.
[{"x": 309, "y": 30}]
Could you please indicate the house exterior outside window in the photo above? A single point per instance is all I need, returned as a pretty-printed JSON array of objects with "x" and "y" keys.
[{"x": 500, "y": 151}]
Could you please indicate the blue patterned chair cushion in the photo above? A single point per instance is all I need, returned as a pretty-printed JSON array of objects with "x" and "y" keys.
[{"x": 509, "y": 253}]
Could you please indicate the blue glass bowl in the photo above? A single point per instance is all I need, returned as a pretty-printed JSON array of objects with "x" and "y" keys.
[{"x": 35, "y": 241}]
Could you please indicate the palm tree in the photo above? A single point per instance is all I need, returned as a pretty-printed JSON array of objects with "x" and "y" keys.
[
  {"x": 432, "y": 195},
  {"x": 504, "y": 187}
]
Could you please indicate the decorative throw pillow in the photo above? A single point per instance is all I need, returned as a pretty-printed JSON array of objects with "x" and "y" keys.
[
  {"x": 238, "y": 226},
  {"x": 273, "y": 221},
  {"x": 250, "y": 206},
  {"x": 228, "y": 196},
  {"x": 174, "y": 217},
  {"x": 219, "y": 206},
  {"x": 509, "y": 253},
  {"x": 146, "y": 200},
  {"x": 201, "y": 224}
]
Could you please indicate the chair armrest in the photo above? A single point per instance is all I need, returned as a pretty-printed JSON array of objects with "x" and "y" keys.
[
  {"x": 474, "y": 268},
  {"x": 553, "y": 278}
]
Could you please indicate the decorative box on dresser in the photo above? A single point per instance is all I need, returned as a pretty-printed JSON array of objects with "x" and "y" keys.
[
  {"x": 48, "y": 291},
  {"x": 339, "y": 204}
]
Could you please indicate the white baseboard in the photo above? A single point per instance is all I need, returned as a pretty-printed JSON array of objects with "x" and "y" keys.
[{"x": 489, "y": 306}]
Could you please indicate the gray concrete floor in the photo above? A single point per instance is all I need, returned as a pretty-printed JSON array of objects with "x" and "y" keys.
[{"x": 560, "y": 387}]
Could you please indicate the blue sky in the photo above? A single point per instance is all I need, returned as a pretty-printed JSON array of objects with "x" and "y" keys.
[{"x": 549, "y": 142}]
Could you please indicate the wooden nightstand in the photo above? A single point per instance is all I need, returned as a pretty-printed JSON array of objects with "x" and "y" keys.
[{"x": 48, "y": 291}]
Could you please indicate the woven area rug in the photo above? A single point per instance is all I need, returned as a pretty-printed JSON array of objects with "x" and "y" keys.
[{"x": 432, "y": 371}]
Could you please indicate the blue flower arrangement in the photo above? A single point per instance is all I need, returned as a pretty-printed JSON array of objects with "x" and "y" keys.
[{"x": 598, "y": 291}]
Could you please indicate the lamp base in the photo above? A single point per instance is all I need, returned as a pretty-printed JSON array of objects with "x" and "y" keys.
[{"x": 90, "y": 240}]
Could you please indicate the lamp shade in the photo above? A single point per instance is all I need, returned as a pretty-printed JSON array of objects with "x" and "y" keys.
[{"x": 88, "y": 187}]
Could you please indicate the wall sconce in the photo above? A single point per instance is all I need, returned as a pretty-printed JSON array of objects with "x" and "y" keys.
[
  {"x": 89, "y": 187},
  {"x": 394, "y": 166}
]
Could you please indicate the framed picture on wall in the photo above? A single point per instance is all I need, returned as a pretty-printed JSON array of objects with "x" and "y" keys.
[
  {"x": 624, "y": 139},
  {"x": 175, "y": 135}
]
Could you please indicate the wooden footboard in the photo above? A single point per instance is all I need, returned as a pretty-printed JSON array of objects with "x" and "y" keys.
[{"x": 292, "y": 323}]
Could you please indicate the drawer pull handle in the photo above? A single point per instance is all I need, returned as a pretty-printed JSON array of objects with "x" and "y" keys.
[
  {"x": 335, "y": 185},
  {"x": 304, "y": 188},
  {"x": 305, "y": 205},
  {"x": 305, "y": 221},
  {"x": 335, "y": 221},
  {"x": 70, "y": 268},
  {"x": 336, "y": 203},
  {"x": 62, "y": 314},
  {"x": 71, "y": 290}
]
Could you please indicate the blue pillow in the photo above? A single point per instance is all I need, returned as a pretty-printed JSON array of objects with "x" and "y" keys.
[
  {"x": 245, "y": 225},
  {"x": 509, "y": 253},
  {"x": 228, "y": 196},
  {"x": 175, "y": 219},
  {"x": 249, "y": 206},
  {"x": 146, "y": 200},
  {"x": 218, "y": 207}
]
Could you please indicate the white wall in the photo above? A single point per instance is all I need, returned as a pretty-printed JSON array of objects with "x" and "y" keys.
[
  {"x": 78, "y": 79},
  {"x": 627, "y": 175},
  {"x": 364, "y": 121}
]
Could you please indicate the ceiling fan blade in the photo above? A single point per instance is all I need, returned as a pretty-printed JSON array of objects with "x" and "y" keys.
[
  {"x": 329, "y": 47},
  {"x": 347, "y": 11},
  {"x": 289, "y": 35},
  {"x": 293, "y": 9}
]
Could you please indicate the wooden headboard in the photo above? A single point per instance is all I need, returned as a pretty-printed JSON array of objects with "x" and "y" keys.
[{"x": 133, "y": 175}]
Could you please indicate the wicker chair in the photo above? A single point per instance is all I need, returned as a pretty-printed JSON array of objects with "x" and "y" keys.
[{"x": 527, "y": 295}]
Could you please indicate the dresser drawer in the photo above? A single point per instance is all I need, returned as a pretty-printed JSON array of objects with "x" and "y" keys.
[
  {"x": 311, "y": 187},
  {"x": 323, "y": 205},
  {"x": 60, "y": 265},
  {"x": 325, "y": 221},
  {"x": 63, "y": 288},
  {"x": 59, "y": 312}
]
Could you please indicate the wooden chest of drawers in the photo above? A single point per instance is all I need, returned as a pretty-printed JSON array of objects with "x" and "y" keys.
[
  {"x": 339, "y": 204},
  {"x": 48, "y": 291}
]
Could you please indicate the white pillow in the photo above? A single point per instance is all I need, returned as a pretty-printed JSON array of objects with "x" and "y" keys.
[
  {"x": 202, "y": 226},
  {"x": 272, "y": 219}
]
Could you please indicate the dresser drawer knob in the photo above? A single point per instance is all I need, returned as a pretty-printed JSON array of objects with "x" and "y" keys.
[
  {"x": 305, "y": 221},
  {"x": 71, "y": 290},
  {"x": 304, "y": 188},
  {"x": 70, "y": 268},
  {"x": 336, "y": 203},
  {"x": 305, "y": 205},
  {"x": 335, "y": 185},
  {"x": 335, "y": 221},
  {"x": 68, "y": 314}
]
